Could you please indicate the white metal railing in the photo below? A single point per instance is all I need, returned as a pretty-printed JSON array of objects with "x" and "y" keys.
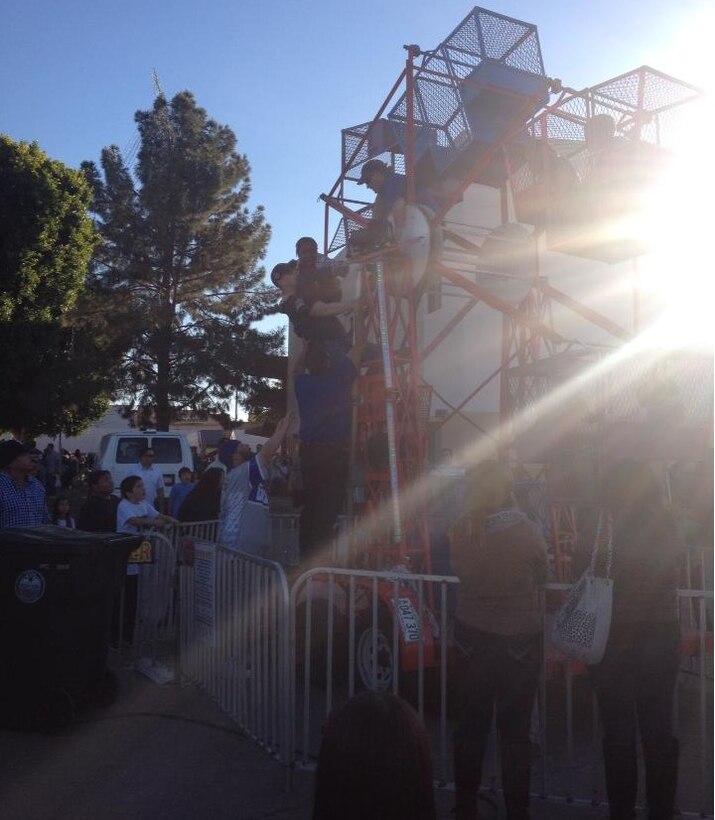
[
  {"x": 345, "y": 635},
  {"x": 156, "y": 589},
  {"x": 350, "y": 623},
  {"x": 205, "y": 530},
  {"x": 233, "y": 639},
  {"x": 277, "y": 661}
]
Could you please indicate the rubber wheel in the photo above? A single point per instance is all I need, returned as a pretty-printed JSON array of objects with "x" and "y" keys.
[{"x": 381, "y": 680}]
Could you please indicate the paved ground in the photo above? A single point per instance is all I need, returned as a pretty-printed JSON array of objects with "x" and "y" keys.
[{"x": 164, "y": 752}]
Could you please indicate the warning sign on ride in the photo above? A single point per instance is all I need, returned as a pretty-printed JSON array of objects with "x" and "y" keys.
[{"x": 142, "y": 554}]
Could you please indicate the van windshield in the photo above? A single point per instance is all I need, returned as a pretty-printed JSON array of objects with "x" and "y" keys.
[{"x": 168, "y": 450}]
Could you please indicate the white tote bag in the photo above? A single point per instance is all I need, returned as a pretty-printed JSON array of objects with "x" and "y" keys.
[{"x": 582, "y": 624}]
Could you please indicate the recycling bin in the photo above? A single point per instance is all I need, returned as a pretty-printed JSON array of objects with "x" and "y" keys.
[{"x": 57, "y": 588}]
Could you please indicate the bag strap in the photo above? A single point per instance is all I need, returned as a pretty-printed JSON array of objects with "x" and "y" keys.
[{"x": 597, "y": 542}]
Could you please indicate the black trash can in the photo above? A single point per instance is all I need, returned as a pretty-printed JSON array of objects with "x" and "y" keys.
[{"x": 57, "y": 588}]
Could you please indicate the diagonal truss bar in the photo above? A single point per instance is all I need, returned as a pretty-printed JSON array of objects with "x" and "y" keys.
[
  {"x": 585, "y": 312},
  {"x": 495, "y": 302},
  {"x": 449, "y": 327},
  {"x": 456, "y": 411},
  {"x": 463, "y": 243}
]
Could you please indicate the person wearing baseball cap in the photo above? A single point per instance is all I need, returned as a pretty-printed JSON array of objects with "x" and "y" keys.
[
  {"x": 388, "y": 210},
  {"x": 22, "y": 496}
]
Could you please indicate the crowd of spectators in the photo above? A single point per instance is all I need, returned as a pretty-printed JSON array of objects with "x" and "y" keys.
[
  {"x": 232, "y": 488},
  {"x": 501, "y": 560}
]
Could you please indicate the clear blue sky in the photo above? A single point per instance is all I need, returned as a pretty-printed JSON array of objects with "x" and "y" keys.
[{"x": 287, "y": 76}]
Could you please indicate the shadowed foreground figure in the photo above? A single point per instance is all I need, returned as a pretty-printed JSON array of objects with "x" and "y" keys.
[
  {"x": 500, "y": 558},
  {"x": 635, "y": 681},
  {"x": 374, "y": 762}
]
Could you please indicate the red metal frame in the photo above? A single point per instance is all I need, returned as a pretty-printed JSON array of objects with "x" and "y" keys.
[{"x": 528, "y": 334}]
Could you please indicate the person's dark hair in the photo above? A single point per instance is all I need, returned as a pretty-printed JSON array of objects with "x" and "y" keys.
[
  {"x": 370, "y": 167},
  {"x": 203, "y": 503},
  {"x": 374, "y": 762},
  {"x": 128, "y": 485},
  {"x": 56, "y": 507},
  {"x": 94, "y": 477},
  {"x": 280, "y": 270},
  {"x": 306, "y": 240},
  {"x": 185, "y": 470}
]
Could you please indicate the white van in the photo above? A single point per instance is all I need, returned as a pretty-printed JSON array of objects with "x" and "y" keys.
[{"x": 119, "y": 453}]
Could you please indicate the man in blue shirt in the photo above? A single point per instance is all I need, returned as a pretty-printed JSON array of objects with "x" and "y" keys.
[
  {"x": 22, "y": 496},
  {"x": 324, "y": 402}
]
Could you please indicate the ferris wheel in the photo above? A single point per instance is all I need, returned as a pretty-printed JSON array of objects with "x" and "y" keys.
[{"x": 514, "y": 184}]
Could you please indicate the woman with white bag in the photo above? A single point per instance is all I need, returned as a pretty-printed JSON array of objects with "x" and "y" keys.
[{"x": 635, "y": 680}]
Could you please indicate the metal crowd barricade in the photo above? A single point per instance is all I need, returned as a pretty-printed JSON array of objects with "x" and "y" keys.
[
  {"x": 340, "y": 622},
  {"x": 283, "y": 547},
  {"x": 205, "y": 530},
  {"x": 344, "y": 637},
  {"x": 155, "y": 623},
  {"x": 233, "y": 639},
  {"x": 279, "y": 662}
]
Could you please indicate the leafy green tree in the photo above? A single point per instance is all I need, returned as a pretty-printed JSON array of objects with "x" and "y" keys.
[
  {"x": 46, "y": 238},
  {"x": 55, "y": 378},
  {"x": 180, "y": 251},
  {"x": 55, "y": 374}
]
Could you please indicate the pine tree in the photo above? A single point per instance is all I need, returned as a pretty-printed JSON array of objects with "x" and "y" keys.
[{"x": 179, "y": 261}]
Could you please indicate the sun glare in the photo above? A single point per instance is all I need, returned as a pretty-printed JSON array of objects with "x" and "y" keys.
[
  {"x": 678, "y": 225},
  {"x": 677, "y": 276}
]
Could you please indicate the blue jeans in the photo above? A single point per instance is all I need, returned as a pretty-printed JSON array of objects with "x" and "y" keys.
[{"x": 634, "y": 684}]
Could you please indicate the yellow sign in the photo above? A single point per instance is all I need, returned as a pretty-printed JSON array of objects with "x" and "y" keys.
[{"x": 142, "y": 554}]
